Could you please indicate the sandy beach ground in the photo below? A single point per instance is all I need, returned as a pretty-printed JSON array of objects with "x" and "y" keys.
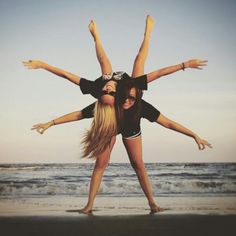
[
  {"x": 118, "y": 216},
  {"x": 113, "y": 206}
]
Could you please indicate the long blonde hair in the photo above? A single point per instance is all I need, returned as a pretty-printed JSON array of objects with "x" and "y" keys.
[{"x": 103, "y": 128}]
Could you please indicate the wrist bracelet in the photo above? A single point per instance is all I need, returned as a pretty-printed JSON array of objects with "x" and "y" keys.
[
  {"x": 183, "y": 66},
  {"x": 53, "y": 122}
]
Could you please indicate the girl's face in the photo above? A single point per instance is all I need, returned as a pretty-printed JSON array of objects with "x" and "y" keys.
[
  {"x": 108, "y": 92},
  {"x": 130, "y": 100},
  {"x": 110, "y": 86}
]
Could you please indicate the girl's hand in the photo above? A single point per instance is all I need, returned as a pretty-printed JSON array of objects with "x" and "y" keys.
[
  {"x": 40, "y": 128},
  {"x": 195, "y": 63},
  {"x": 202, "y": 143},
  {"x": 33, "y": 64}
]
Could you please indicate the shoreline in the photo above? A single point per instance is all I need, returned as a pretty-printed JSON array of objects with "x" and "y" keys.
[
  {"x": 114, "y": 206},
  {"x": 118, "y": 216}
]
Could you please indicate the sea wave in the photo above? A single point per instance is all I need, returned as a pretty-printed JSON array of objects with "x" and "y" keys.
[
  {"x": 114, "y": 188},
  {"x": 25, "y": 180}
]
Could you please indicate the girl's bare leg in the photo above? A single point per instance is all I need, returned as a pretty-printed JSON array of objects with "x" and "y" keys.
[
  {"x": 134, "y": 150},
  {"x": 96, "y": 178},
  {"x": 101, "y": 55},
  {"x": 134, "y": 146},
  {"x": 138, "y": 67}
]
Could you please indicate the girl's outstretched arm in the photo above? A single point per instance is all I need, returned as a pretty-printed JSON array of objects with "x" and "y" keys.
[
  {"x": 36, "y": 64},
  {"x": 74, "y": 116},
  {"x": 167, "y": 123},
  {"x": 194, "y": 63}
]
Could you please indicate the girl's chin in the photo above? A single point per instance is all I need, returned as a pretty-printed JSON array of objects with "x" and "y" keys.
[{"x": 125, "y": 107}]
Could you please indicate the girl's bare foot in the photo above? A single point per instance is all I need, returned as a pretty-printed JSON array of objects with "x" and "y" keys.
[
  {"x": 149, "y": 25},
  {"x": 86, "y": 211},
  {"x": 93, "y": 28},
  {"x": 155, "y": 209}
]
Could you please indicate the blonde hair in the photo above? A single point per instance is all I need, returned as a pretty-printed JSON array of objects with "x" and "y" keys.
[{"x": 103, "y": 128}]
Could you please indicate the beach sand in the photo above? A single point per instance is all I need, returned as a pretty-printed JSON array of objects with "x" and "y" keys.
[{"x": 118, "y": 216}]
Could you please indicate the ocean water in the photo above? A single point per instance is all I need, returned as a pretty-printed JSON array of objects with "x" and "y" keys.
[{"x": 168, "y": 179}]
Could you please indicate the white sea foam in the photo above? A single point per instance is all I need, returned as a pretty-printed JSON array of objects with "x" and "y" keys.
[{"x": 119, "y": 180}]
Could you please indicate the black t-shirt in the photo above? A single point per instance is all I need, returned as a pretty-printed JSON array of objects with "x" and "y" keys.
[
  {"x": 130, "y": 128},
  {"x": 94, "y": 87}
]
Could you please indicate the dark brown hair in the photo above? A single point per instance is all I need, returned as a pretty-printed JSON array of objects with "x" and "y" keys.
[{"x": 122, "y": 93}]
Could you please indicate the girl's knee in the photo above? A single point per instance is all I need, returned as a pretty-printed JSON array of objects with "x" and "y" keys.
[
  {"x": 140, "y": 59},
  {"x": 101, "y": 164}
]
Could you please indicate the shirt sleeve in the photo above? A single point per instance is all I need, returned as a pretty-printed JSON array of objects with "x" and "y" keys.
[
  {"x": 89, "y": 87},
  {"x": 88, "y": 111},
  {"x": 149, "y": 112},
  {"x": 141, "y": 82}
]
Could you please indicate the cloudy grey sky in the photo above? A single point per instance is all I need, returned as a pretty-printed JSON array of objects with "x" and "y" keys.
[{"x": 56, "y": 31}]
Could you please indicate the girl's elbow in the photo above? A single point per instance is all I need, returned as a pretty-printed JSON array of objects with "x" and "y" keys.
[
  {"x": 168, "y": 125},
  {"x": 165, "y": 122}
]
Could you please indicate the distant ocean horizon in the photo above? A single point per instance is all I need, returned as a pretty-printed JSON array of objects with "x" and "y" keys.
[{"x": 72, "y": 179}]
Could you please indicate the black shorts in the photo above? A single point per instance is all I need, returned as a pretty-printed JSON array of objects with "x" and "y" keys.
[{"x": 133, "y": 135}]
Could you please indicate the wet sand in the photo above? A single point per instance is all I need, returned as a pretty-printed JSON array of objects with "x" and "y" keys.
[{"x": 113, "y": 216}]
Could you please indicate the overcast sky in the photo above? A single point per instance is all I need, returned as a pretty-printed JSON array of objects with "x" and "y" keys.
[{"x": 56, "y": 31}]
